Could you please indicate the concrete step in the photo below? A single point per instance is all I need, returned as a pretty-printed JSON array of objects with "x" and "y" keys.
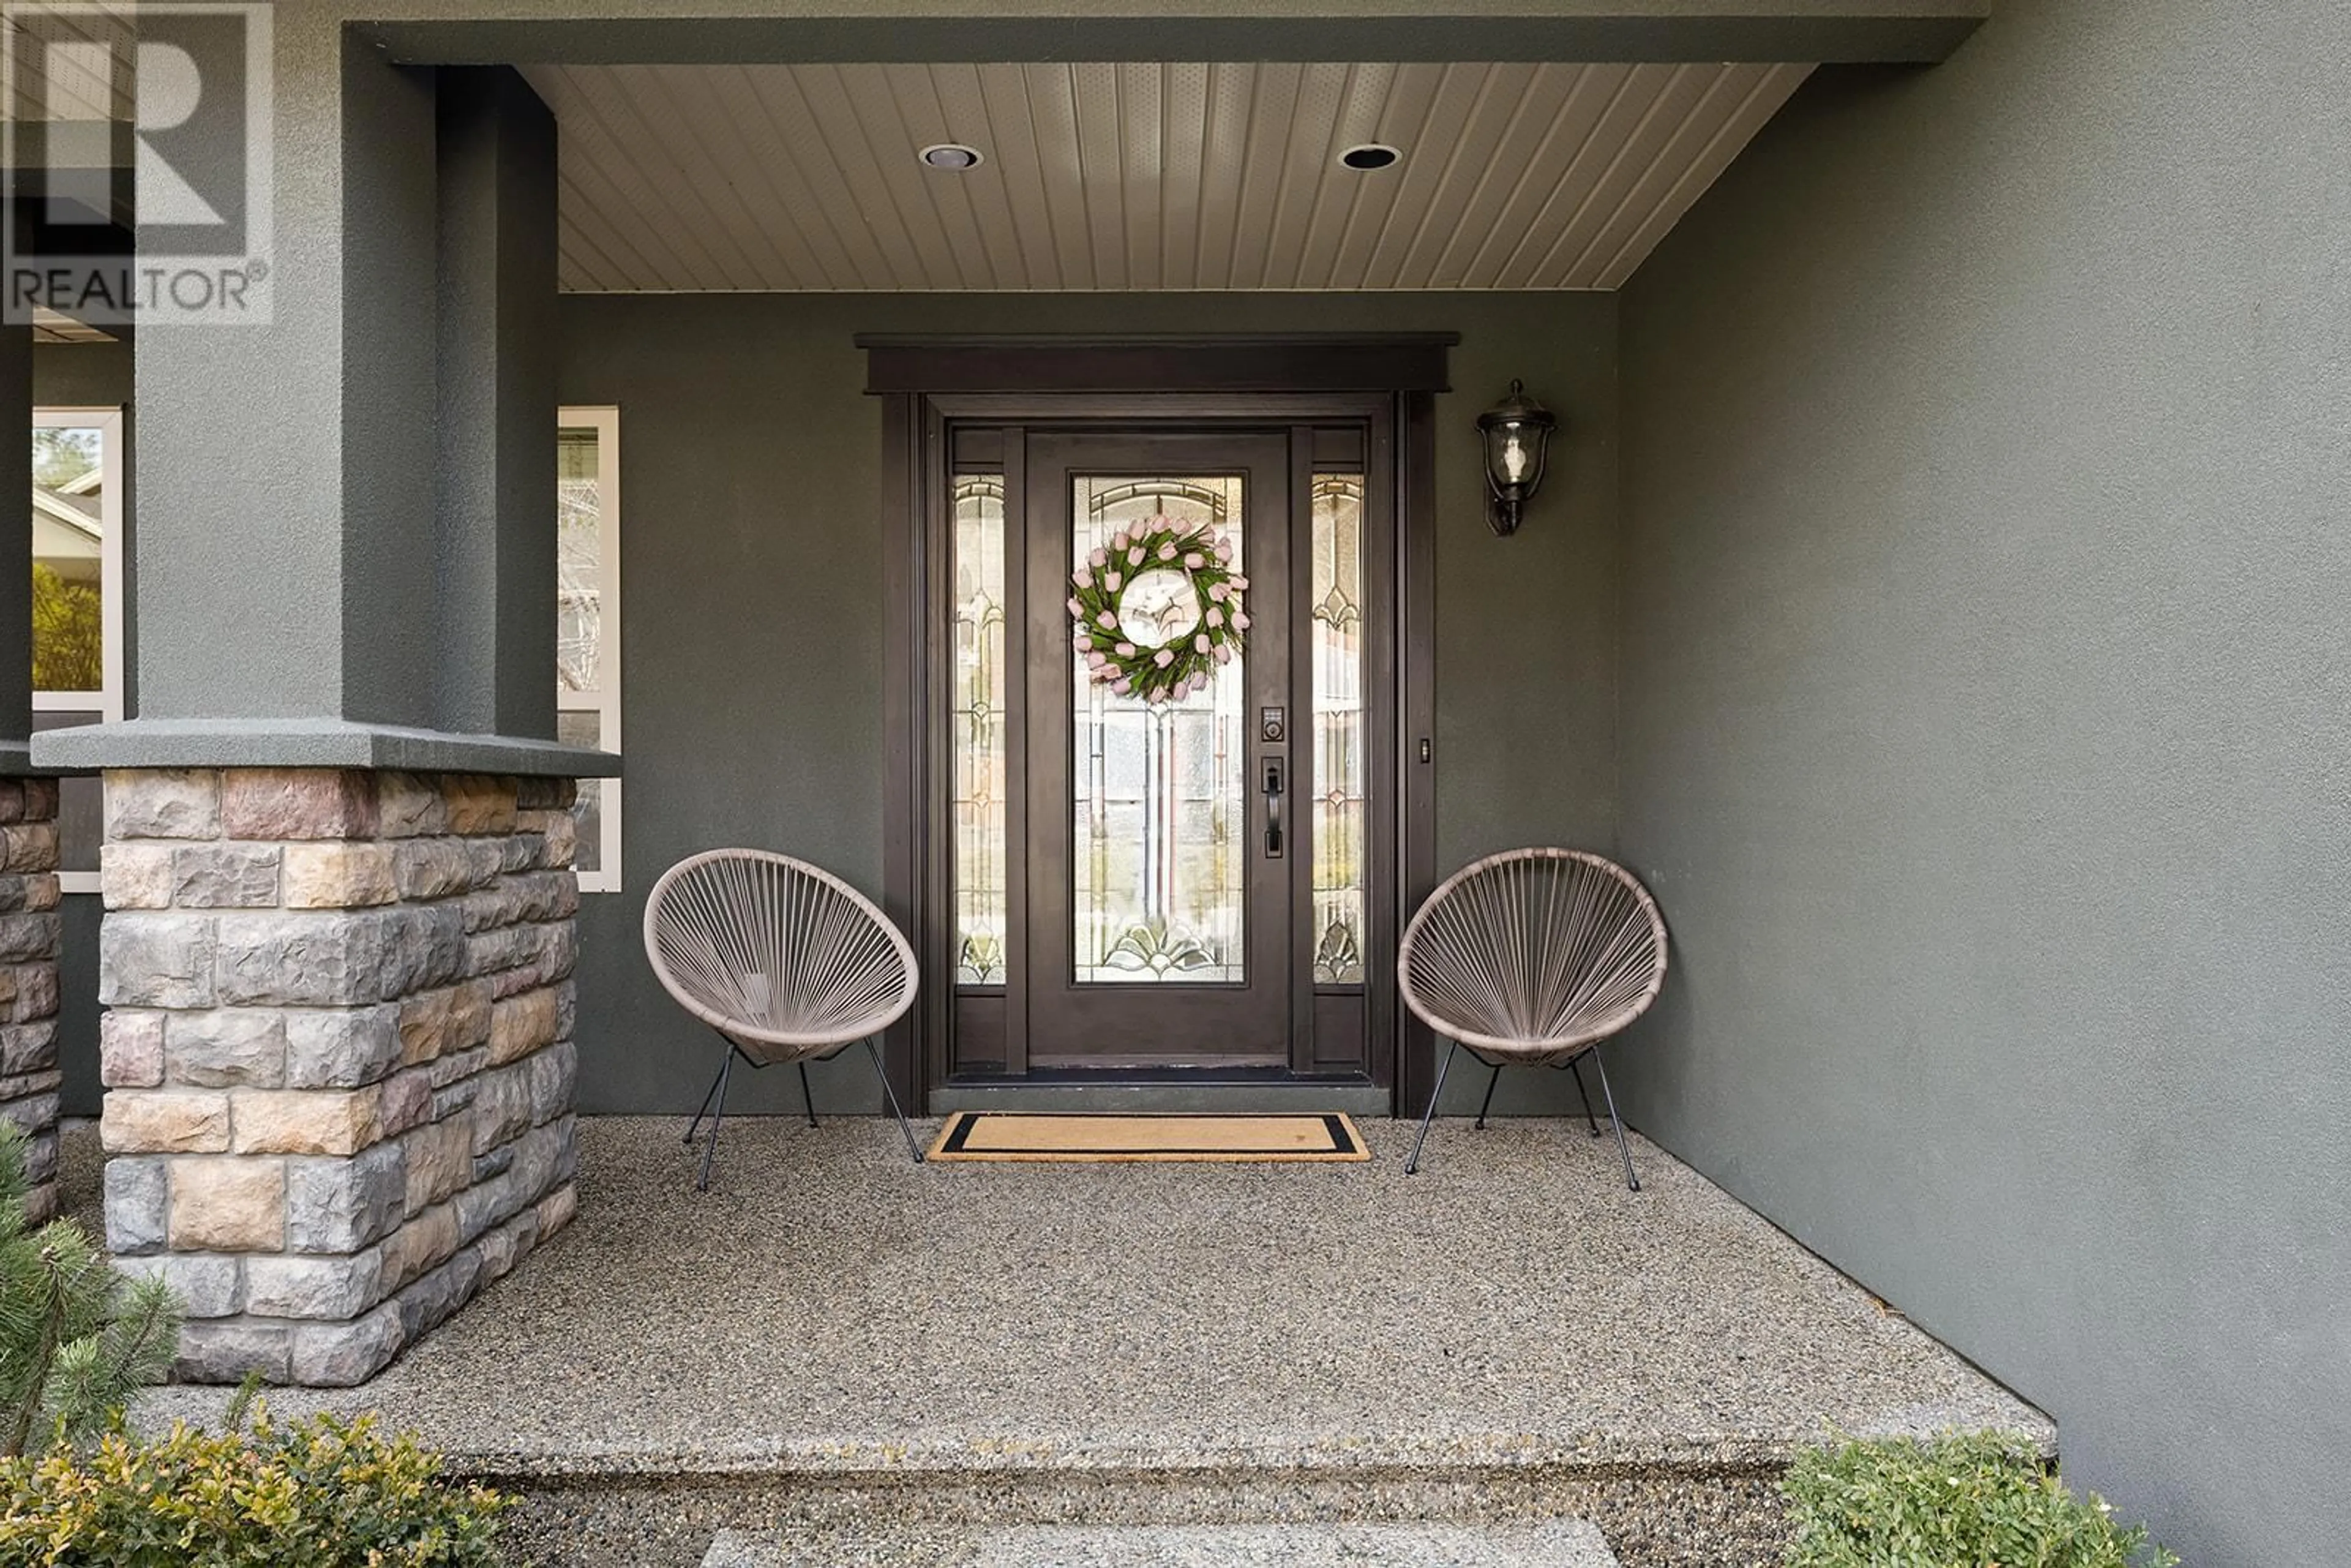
[
  {"x": 1672, "y": 1505},
  {"x": 1550, "y": 1543}
]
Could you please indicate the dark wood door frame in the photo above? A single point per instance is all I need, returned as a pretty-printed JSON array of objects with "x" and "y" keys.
[
  {"x": 1200, "y": 1027},
  {"x": 1386, "y": 385}
]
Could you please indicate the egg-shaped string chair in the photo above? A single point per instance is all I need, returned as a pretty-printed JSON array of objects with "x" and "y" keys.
[
  {"x": 1532, "y": 958},
  {"x": 786, "y": 961}
]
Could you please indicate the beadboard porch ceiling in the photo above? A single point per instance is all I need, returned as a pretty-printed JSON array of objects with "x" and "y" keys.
[{"x": 1137, "y": 175}]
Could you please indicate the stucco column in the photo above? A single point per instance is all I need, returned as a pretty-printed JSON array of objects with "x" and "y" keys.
[
  {"x": 339, "y": 902},
  {"x": 497, "y": 328},
  {"x": 364, "y": 500}
]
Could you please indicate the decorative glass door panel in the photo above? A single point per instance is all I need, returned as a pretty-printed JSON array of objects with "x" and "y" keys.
[
  {"x": 1159, "y": 890},
  {"x": 1159, "y": 787}
]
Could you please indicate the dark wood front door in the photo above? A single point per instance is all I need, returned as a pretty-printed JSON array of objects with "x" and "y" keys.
[
  {"x": 1161, "y": 885},
  {"x": 1203, "y": 886}
]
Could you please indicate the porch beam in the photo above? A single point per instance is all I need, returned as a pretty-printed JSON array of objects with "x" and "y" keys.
[{"x": 752, "y": 32}]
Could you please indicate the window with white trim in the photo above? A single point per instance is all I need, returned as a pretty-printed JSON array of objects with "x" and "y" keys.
[
  {"x": 588, "y": 623},
  {"x": 77, "y": 642}
]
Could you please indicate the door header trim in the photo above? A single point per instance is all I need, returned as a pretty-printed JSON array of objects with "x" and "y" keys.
[{"x": 1291, "y": 362}]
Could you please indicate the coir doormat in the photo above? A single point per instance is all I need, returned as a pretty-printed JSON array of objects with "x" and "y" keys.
[{"x": 1030, "y": 1136}]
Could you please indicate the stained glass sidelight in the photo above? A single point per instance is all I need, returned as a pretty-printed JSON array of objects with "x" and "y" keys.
[
  {"x": 978, "y": 684},
  {"x": 1159, "y": 790},
  {"x": 1335, "y": 601}
]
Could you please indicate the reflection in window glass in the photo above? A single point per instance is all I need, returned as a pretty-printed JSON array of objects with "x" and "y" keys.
[
  {"x": 68, "y": 559},
  {"x": 1336, "y": 604},
  {"x": 579, "y": 561},
  {"x": 1160, "y": 791},
  {"x": 977, "y": 691}
]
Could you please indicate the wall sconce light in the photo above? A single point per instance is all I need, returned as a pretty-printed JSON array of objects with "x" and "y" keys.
[{"x": 1517, "y": 432}]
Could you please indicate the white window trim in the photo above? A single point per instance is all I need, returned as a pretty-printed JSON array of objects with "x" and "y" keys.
[
  {"x": 605, "y": 701},
  {"x": 109, "y": 702}
]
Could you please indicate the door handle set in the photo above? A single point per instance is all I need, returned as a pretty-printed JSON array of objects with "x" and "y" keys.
[
  {"x": 1273, "y": 729},
  {"x": 1272, "y": 768}
]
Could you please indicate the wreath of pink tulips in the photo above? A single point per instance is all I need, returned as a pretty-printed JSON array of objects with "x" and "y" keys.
[{"x": 1176, "y": 670}]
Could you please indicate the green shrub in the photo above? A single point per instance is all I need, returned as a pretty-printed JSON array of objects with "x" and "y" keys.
[
  {"x": 1963, "y": 1500},
  {"x": 76, "y": 1337},
  {"x": 322, "y": 1493}
]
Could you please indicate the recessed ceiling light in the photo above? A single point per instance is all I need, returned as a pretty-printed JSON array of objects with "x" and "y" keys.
[
  {"x": 951, "y": 155},
  {"x": 1369, "y": 156}
]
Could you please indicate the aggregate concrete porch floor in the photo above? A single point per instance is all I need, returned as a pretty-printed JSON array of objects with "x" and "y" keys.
[{"x": 831, "y": 1309}]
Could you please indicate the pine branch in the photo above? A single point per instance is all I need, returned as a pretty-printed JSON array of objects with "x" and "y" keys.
[
  {"x": 75, "y": 1404},
  {"x": 242, "y": 1401},
  {"x": 44, "y": 1350},
  {"x": 143, "y": 1340},
  {"x": 15, "y": 1187},
  {"x": 76, "y": 1338}
]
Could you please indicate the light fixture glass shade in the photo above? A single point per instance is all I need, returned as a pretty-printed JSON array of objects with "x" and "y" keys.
[{"x": 1517, "y": 432}]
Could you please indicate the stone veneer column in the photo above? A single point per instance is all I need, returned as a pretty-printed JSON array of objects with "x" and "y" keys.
[
  {"x": 338, "y": 1051},
  {"x": 28, "y": 980}
]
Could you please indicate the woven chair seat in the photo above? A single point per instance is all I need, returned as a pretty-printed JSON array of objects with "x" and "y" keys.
[
  {"x": 1532, "y": 956},
  {"x": 782, "y": 957},
  {"x": 786, "y": 961}
]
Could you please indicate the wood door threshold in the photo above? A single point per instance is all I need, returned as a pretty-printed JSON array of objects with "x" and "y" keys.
[{"x": 1353, "y": 1096}]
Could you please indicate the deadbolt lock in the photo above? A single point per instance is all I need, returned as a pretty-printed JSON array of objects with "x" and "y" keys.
[{"x": 1273, "y": 725}]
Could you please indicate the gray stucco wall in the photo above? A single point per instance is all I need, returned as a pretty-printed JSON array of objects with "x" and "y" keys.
[
  {"x": 753, "y": 579},
  {"x": 1983, "y": 725},
  {"x": 752, "y": 574}
]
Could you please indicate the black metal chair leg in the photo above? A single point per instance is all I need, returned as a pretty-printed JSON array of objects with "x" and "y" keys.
[
  {"x": 1631, "y": 1181},
  {"x": 1488, "y": 1104},
  {"x": 710, "y": 1149},
  {"x": 913, "y": 1147},
  {"x": 1581, "y": 1094},
  {"x": 808, "y": 1100},
  {"x": 695, "y": 1125},
  {"x": 1412, "y": 1165}
]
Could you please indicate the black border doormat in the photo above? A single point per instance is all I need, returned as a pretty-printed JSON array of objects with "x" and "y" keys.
[{"x": 1309, "y": 1136}]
